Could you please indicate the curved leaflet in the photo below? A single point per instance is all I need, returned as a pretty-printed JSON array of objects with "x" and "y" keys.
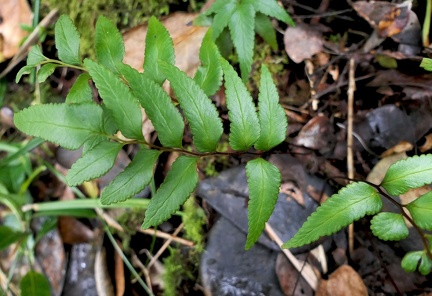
[
  {"x": 271, "y": 115},
  {"x": 80, "y": 91},
  {"x": 209, "y": 74},
  {"x": 67, "y": 40},
  {"x": 350, "y": 204},
  {"x": 109, "y": 44},
  {"x": 263, "y": 182},
  {"x": 408, "y": 173},
  {"x": 273, "y": 9},
  {"x": 244, "y": 127},
  {"x": 133, "y": 179},
  {"x": 421, "y": 211},
  {"x": 67, "y": 125},
  {"x": 94, "y": 163},
  {"x": 241, "y": 26},
  {"x": 223, "y": 10},
  {"x": 264, "y": 28},
  {"x": 159, "y": 47},
  {"x": 118, "y": 99},
  {"x": 389, "y": 226},
  {"x": 179, "y": 183},
  {"x": 157, "y": 104},
  {"x": 201, "y": 113}
]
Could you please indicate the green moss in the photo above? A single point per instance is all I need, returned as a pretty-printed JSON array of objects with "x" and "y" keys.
[
  {"x": 181, "y": 266},
  {"x": 125, "y": 14}
]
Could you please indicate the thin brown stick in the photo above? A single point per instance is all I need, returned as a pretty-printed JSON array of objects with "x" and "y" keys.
[
  {"x": 305, "y": 270},
  {"x": 164, "y": 235},
  {"x": 164, "y": 246},
  {"x": 350, "y": 155},
  {"x": 32, "y": 39}
]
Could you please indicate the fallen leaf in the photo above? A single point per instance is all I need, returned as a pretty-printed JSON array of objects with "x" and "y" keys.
[
  {"x": 13, "y": 14},
  {"x": 427, "y": 145},
  {"x": 302, "y": 42},
  {"x": 290, "y": 281},
  {"x": 293, "y": 192},
  {"x": 72, "y": 231},
  {"x": 344, "y": 281},
  {"x": 380, "y": 169},
  {"x": 388, "y": 18},
  {"x": 403, "y": 146},
  {"x": 187, "y": 41}
]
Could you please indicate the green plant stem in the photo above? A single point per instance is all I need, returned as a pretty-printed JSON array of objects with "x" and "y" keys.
[
  {"x": 50, "y": 61},
  {"x": 406, "y": 216},
  {"x": 427, "y": 23},
  {"x": 126, "y": 261}
]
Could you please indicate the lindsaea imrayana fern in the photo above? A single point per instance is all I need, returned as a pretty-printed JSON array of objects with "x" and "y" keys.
[
  {"x": 363, "y": 198},
  {"x": 80, "y": 122},
  {"x": 244, "y": 18}
]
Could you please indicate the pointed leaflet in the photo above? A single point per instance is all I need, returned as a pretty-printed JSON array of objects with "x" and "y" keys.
[
  {"x": 93, "y": 164},
  {"x": 109, "y": 44},
  {"x": 408, "y": 173},
  {"x": 421, "y": 211},
  {"x": 389, "y": 226},
  {"x": 35, "y": 56},
  {"x": 426, "y": 64},
  {"x": 199, "y": 110},
  {"x": 67, "y": 41},
  {"x": 209, "y": 74},
  {"x": 273, "y": 9},
  {"x": 70, "y": 126},
  {"x": 241, "y": 26},
  {"x": 80, "y": 92},
  {"x": 24, "y": 70},
  {"x": 133, "y": 179},
  {"x": 350, "y": 204},
  {"x": 263, "y": 181},
  {"x": 264, "y": 28},
  {"x": 9, "y": 236},
  {"x": 410, "y": 260},
  {"x": 244, "y": 127},
  {"x": 176, "y": 188},
  {"x": 271, "y": 115},
  {"x": 224, "y": 10},
  {"x": 45, "y": 71},
  {"x": 35, "y": 284},
  {"x": 425, "y": 264},
  {"x": 159, "y": 47},
  {"x": 157, "y": 104},
  {"x": 118, "y": 99}
]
